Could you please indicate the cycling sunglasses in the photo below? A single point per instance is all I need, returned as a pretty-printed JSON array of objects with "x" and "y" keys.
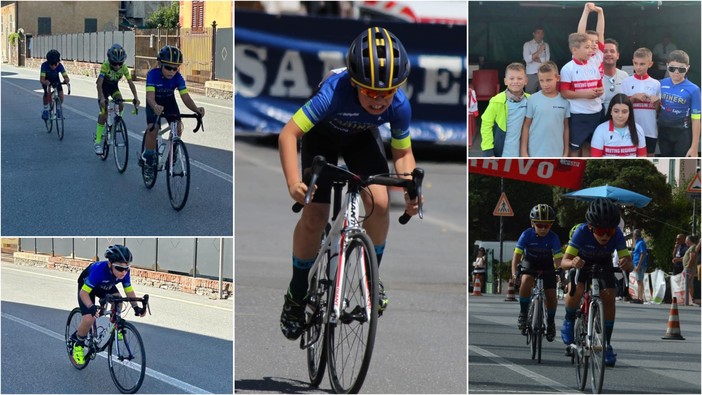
[
  {"x": 373, "y": 94},
  {"x": 170, "y": 68},
  {"x": 117, "y": 64},
  {"x": 54, "y": 64},
  {"x": 121, "y": 268},
  {"x": 681, "y": 70},
  {"x": 603, "y": 231},
  {"x": 542, "y": 225}
]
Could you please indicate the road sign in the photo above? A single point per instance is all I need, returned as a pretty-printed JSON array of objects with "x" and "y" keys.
[
  {"x": 693, "y": 188},
  {"x": 503, "y": 209}
]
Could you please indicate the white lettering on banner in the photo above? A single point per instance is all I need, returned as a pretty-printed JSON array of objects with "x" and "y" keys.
[
  {"x": 331, "y": 60},
  {"x": 291, "y": 80},
  {"x": 441, "y": 79},
  {"x": 544, "y": 169},
  {"x": 250, "y": 62}
]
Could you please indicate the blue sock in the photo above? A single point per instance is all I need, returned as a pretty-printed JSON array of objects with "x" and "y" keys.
[
  {"x": 524, "y": 304},
  {"x": 299, "y": 283},
  {"x": 570, "y": 313},
  {"x": 609, "y": 328},
  {"x": 379, "y": 249}
]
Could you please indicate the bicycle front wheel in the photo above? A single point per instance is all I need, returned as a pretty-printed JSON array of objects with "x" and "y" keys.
[
  {"x": 178, "y": 174},
  {"x": 59, "y": 121},
  {"x": 581, "y": 359},
  {"x": 598, "y": 346},
  {"x": 538, "y": 328},
  {"x": 74, "y": 318},
  {"x": 126, "y": 358},
  {"x": 316, "y": 327},
  {"x": 106, "y": 137},
  {"x": 120, "y": 144},
  {"x": 350, "y": 340}
]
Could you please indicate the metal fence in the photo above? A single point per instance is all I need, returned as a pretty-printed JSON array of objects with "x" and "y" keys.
[
  {"x": 196, "y": 257},
  {"x": 84, "y": 47}
]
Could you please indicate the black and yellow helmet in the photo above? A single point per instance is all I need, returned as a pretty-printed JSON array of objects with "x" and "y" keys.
[
  {"x": 377, "y": 60},
  {"x": 542, "y": 213},
  {"x": 170, "y": 55}
]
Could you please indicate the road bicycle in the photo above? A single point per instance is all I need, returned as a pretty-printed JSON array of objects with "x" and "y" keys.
[
  {"x": 56, "y": 109},
  {"x": 589, "y": 347},
  {"x": 126, "y": 357},
  {"x": 535, "y": 324},
  {"x": 173, "y": 157},
  {"x": 341, "y": 307},
  {"x": 116, "y": 135}
]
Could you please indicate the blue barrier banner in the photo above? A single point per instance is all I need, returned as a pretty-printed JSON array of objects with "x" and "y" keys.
[{"x": 280, "y": 60}]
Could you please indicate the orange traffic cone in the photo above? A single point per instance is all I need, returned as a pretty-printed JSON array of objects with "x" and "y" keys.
[
  {"x": 476, "y": 286},
  {"x": 673, "y": 331},
  {"x": 510, "y": 292}
]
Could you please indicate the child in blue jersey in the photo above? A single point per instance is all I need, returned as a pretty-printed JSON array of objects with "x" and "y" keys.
[
  {"x": 501, "y": 127},
  {"x": 679, "y": 118},
  {"x": 343, "y": 118},
  {"x": 49, "y": 74},
  {"x": 99, "y": 279},
  {"x": 110, "y": 73},
  {"x": 538, "y": 249},
  {"x": 545, "y": 132},
  {"x": 594, "y": 243},
  {"x": 160, "y": 84}
]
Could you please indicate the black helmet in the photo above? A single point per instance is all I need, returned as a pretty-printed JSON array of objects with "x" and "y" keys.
[
  {"x": 542, "y": 213},
  {"x": 170, "y": 55},
  {"x": 116, "y": 54},
  {"x": 602, "y": 213},
  {"x": 118, "y": 253},
  {"x": 53, "y": 56},
  {"x": 377, "y": 60}
]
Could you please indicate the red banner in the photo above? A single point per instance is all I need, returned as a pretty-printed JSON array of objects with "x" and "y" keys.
[{"x": 567, "y": 173}]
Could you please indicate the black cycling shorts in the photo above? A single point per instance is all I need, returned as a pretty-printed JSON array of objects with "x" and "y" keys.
[
  {"x": 110, "y": 90},
  {"x": 59, "y": 88},
  {"x": 170, "y": 107},
  {"x": 548, "y": 272},
  {"x": 100, "y": 293},
  {"x": 363, "y": 153},
  {"x": 607, "y": 275}
]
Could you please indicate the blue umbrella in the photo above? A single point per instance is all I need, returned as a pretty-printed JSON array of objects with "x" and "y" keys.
[{"x": 619, "y": 195}]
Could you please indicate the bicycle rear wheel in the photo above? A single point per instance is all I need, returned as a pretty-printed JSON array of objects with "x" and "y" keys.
[
  {"x": 581, "y": 360},
  {"x": 316, "y": 328},
  {"x": 178, "y": 176},
  {"x": 120, "y": 144},
  {"x": 74, "y": 318},
  {"x": 127, "y": 359},
  {"x": 149, "y": 180},
  {"x": 350, "y": 340},
  {"x": 597, "y": 354},
  {"x": 59, "y": 121}
]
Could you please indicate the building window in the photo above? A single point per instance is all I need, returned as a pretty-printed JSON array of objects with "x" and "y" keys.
[
  {"x": 198, "y": 20},
  {"x": 44, "y": 27},
  {"x": 90, "y": 25}
]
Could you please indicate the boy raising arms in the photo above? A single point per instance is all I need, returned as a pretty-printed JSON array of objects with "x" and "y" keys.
[
  {"x": 501, "y": 126},
  {"x": 545, "y": 131},
  {"x": 581, "y": 84},
  {"x": 645, "y": 95}
]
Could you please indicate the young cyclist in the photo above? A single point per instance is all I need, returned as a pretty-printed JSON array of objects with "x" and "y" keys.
[
  {"x": 619, "y": 135},
  {"x": 645, "y": 94},
  {"x": 49, "y": 74},
  {"x": 99, "y": 279},
  {"x": 679, "y": 119},
  {"x": 160, "y": 84},
  {"x": 110, "y": 73},
  {"x": 342, "y": 117},
  {"x": 594, "y": 242},
  {"x": 541, "y": 250}
]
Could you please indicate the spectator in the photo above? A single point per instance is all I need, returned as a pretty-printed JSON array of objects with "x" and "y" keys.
[
  {"x": 645, "y": 94},
  {"x": 640, "y": 261},
  {"x": 536, "y": 52},
  {"x": 690, "y": 267},
  {"x": 678, "y": 253},
  {"x": 660, "y": 53},
  {"x": 479, "y": 266},
  {"x": 613, "y": 77}
]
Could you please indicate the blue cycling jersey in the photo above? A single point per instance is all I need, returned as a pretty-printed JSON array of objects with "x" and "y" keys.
[
  {"x": 162, "y": 86},
  {"x": 680, "y": 103},
  {"x": 336, "y": 105},
  {"x": 99, "y": 276},
  {"x": 537, "y": 249},
  {"x": 52, "y": 75},
  {"x": 584, "y": 245}
]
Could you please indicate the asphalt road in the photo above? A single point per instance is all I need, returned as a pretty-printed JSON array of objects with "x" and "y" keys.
[
  {"x": 61, "y": 188},
  {"x": 499, "y": 361},
  {"x": 188, "y": 338},
  {"x": 421, "y": 339}
]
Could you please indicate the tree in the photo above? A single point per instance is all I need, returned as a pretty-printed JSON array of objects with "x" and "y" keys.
[{"x": 167, "y": 17}]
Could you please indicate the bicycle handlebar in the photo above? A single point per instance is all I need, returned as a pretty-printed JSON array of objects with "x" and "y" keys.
[
  {"x": 113, "y": 299},
  {"x": 55, "y": 84},
  {"x": 181, "y": 116},
  {"x": 413, "y": 186},
  {"x": 119, "y": 101}
]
